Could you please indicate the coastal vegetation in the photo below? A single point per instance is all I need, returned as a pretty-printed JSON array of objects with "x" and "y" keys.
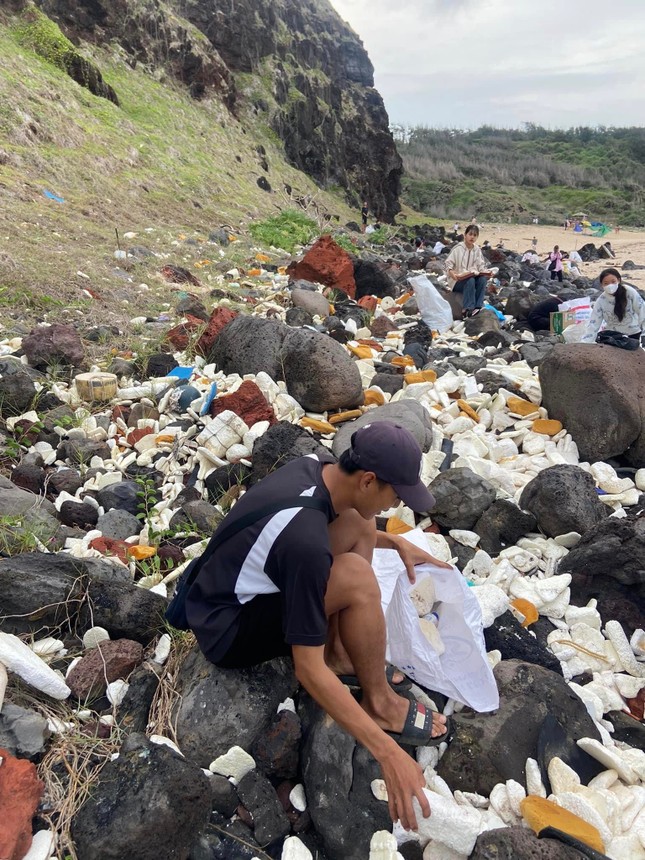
[{"x": 521, "y": 174}]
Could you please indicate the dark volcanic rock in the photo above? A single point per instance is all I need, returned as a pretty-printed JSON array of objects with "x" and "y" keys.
[
  {"x": 372, "y": 279},
  {"x": 408, "y": 413},
  {"x": 280, "y": 444},
  {"x": 240, "y": 703},
  {"x": 515, "y": 642},
  {"x": 17, "y": 390},
  {"x": 608, "y": 564},
  {"x": 563, "y": 499},
  {"x": 23, "y": 733},
  {"x": 461, "y": 498},
  {"x": 520, "y": 843},
  {"x": 258, "y": 796},
  {"x": 150, "y": 803},
  {"x": 337, "y": 773},
  {"x": 502, "y": 525},
  {"x": 491, "y": 748},
  {"x": 276, "y": 750}
]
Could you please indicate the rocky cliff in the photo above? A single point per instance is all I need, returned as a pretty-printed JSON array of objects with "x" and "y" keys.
[{"x": 290, "y": 65}]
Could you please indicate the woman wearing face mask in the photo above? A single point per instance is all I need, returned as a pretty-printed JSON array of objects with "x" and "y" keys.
[{"x": 619, "y": 308}]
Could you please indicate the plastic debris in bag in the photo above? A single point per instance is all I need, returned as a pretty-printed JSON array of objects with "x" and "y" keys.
[{"x": 435, "y": 311}]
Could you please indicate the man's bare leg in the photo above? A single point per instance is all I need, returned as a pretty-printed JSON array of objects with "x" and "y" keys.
[{"x": 353, "y": 596}]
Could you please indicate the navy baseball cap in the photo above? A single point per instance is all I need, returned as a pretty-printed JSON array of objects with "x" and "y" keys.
[{"x": 393, "y": 454}]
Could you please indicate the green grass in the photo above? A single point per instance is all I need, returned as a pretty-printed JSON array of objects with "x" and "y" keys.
[
  {"x": 161, "y": 165},
  {"x": 286, "y": 230}
]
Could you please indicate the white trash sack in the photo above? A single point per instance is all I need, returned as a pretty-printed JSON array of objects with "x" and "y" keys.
[
  {"x": 462, "y": 671},
  {"x": 434, "y": 309}
]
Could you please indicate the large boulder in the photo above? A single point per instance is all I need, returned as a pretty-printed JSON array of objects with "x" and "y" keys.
[
  {"x": 598, "y": 392},
  {"x": 248, "y": 345},
  {"x": 563, "y": 499},
  {"x": 491, "y": 748},
  {"x": 326, "y": 263},
  {"x": 149, "y": 803},
  {"x": 221, "y": 708},
  {"x": 461, "y": 498},
  {"x": 408, "y": 413},
  {"x": 609, "y": 564},
  {"x": 319, "y": 372}
]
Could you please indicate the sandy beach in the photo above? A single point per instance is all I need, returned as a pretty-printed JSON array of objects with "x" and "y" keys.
[{"x": 627, "y": 245}]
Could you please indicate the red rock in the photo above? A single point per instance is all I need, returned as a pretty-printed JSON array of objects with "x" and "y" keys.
[
  {"x": 111, "y": 546},
  {"x": 20, "y": 793},
  {"x": 381, "y": 326},
  {"x": 102, "y": 665},
  {"x": 180, "y": 335},
  {"x": 248, "y": 402},
  {"x": 138, "y": 433},
  {"x": 276, "y": 750},
  {"x": 369, "y": 303},
  {"x": 218, "y": 319},
  {"x": 326, "y": 263}
]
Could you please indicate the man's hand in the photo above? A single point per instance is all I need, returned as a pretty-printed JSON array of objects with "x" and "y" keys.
[
  {"x": 411, "y": 555},
  {"x": 404, "y": 780}
]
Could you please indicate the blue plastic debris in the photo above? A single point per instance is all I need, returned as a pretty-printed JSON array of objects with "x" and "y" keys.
[
  {"x": 209, "y": 399},
  {"x": 51, "y": 196},
  {"x": 182, "y": 372}
]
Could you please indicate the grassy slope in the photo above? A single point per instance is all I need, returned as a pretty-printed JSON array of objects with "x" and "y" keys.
[
  {"x": 161, "y": 161},
  {"x": 497, "y": 174}
]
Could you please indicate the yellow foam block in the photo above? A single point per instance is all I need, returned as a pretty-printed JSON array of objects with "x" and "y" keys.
[
  {"x": 420, "y": 376},
  {"x": 520, "y": 406},
  {"x": 318, "y": 426},
  {"x": 546, "y": 426},
  {"x": 141, "y": 552},
  {"x": 538, "y": 812},
  {"x": 402, "y": 361},
  {"x": 349, "y": 415},
  {"x": 527, "y": 609},
  {"x": 395, "y": 526},
  {"x": 469, "y": 411},
  {"x": 374, "y": 398},
  {"x": 360, "y": 351}
]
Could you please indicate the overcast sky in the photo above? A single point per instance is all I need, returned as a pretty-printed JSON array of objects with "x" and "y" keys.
[{"x": 463, "y": 63}]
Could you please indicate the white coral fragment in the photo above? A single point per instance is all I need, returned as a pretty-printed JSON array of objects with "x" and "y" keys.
[{"x": 234, "y": 764}]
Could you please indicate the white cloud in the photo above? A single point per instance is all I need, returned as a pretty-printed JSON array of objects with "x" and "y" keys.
[{"x": 462, "y": 63}]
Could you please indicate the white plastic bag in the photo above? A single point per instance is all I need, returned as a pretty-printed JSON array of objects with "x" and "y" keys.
[
  {"x": 434, "y": 309},
  {"x": 462, "y": 671}
]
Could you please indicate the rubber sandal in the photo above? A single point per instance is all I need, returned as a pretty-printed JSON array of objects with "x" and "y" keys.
[
  {"x": 400, "y": 686},
  {"x": 417, "y": 729},
  {"x": 475, "y": 311}
]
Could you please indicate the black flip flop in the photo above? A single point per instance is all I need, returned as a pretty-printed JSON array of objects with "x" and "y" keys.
[
  {"x": 399, "y": 687},
  {"x": 417, "y": 729}
]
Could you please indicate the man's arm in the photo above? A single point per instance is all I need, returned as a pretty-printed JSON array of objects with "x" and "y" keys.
[{"x": 403, "y": 776}]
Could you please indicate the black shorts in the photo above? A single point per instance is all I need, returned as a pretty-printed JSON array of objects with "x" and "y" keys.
[{"x": 260, "y": 636}]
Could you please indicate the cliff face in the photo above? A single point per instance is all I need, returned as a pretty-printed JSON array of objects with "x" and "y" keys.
[{"x": 290, "y": 64}]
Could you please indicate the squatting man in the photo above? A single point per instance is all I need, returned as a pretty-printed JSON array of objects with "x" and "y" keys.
[{"x": 300, "y": 582}]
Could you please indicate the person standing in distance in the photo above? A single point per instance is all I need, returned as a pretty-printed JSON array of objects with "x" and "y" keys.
[{"x": 364, "y": 213}]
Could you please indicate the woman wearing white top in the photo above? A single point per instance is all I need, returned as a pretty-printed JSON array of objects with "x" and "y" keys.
[
  {"x": 468, "y": 272},
  {"x": 619, "y": 308}
]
